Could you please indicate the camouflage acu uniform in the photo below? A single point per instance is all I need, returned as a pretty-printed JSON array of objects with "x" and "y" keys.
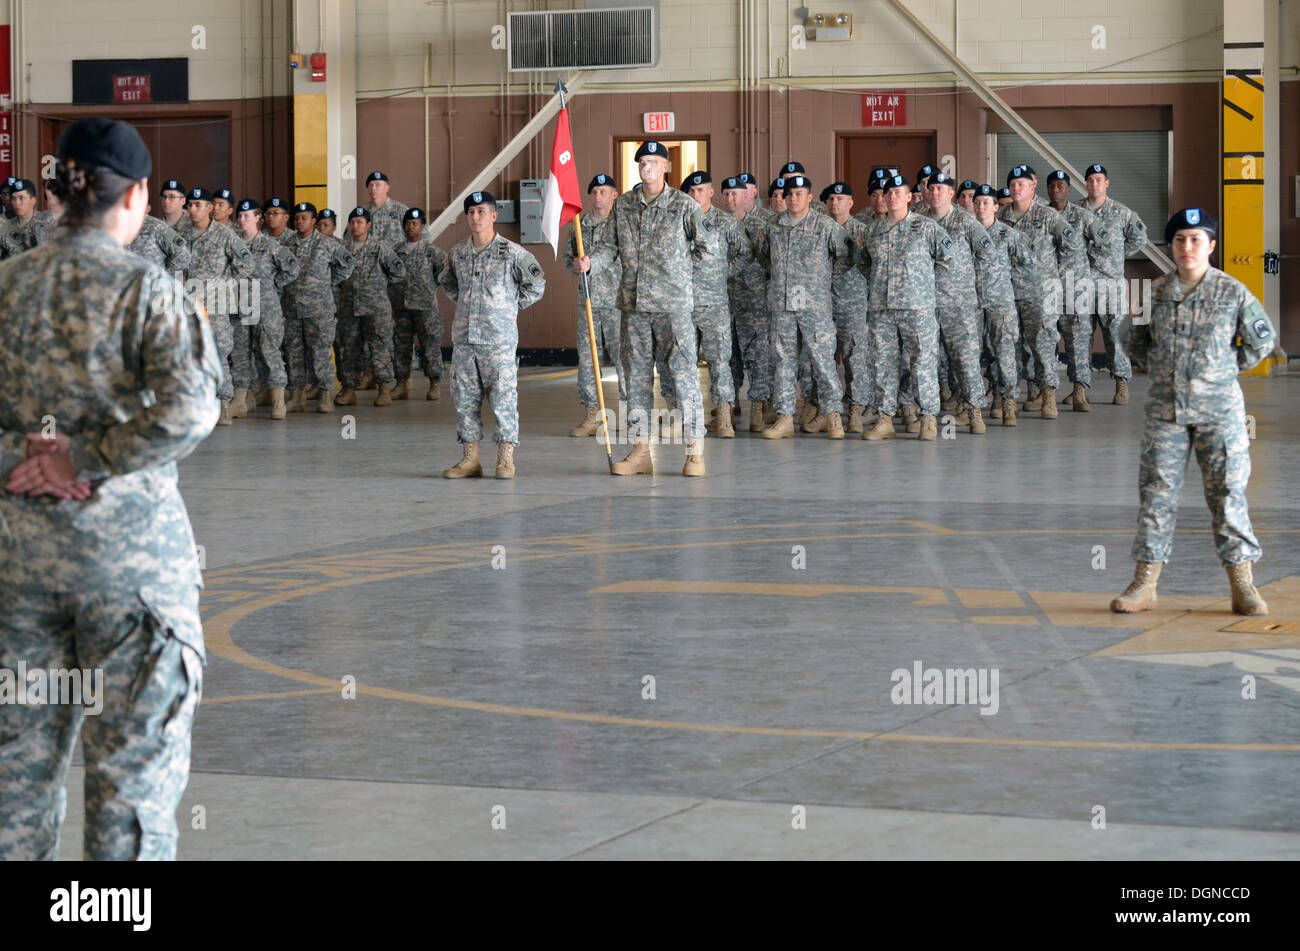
[
  {"x": 803, "y": 258},
  {"x": 1123, "y": 234},
  {"x": 605, "y": 317},
  {"x": 217, "y": 260},
  {"x": 750, "y": 325},
  {"x": 22, "y": 235},
  {"x": 729, "y": 253},
  {"x": 901, "y": 260},
  {"x": 1075, "y": 322},
  {"x": 1037, "y": 282},
  {"x": 657, "y": 244},
  {"x": 490, "y": 286},
  {"x": 309, "y": 308},
  {"x": 416, "y": 314},
  {"x": 998, "y": 297},
  {"x": 109, "y": 584},
  {"x": 162, "y": 245},
  {"x": 365, "y": 310},
  {"x": 386, "y": 221},
  {"x": 274, "y": 269},
  {"x": 849, "y": 309},
  {"x": 958, "y": 307},
  {"x": 1195, "y": 404}
]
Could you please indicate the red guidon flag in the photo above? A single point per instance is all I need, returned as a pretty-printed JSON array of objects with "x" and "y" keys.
[{"x": 562, "y": 198}]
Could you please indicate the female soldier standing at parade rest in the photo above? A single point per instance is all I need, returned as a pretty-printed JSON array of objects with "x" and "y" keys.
[{"x": 109, "y": 380}]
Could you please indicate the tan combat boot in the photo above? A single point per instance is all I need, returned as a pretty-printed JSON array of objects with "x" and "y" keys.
[
  {"x": 1080, "y": 399},
  {"x": 995, "y": 412},
  {"x": 367, "y": 380},
  {"x": 1245, "y": 596},
  {"x": 783, "y": 428},
  {"x": 589, "y": 425},
  {"x": 224, "y": 419},
  {"x": 755, "y": 416},
  {"x": 948, "y": 400},
  {"x": 278, "y": 409},
  {"x": 855, "y": 424},
  {"x": 385, "y": 395},
  {"x": 976, "y": 421},
  {"x": 435, "y": 390},
  {"x": 468, "y": 466},
  {"x": 883, "y": 428},
  {"x": 809, "y": 412},
  {"x": 929, "y": 428},
  {"x": 402, "y": 390},
  {"x": 726, "y": 424},
  {"x": 638, "y": 462},
  {"x": 1010, "y": 415},
  {"x": 911, "y": 418},
  {"x": 347, "y": 396},
  {"x": 1121, "y": 392},
  {"x": 962, "y": 418},
  {"x": 769, "y": 413},
  {"x": 1049, "y": 402},
  {"x": 1069, "y": 399},
  {"x": 313, "y": 392},
  {"x": 695, "y": 453},
  {"x": 817, "y": 424},
  {"x": 1035, "y": 400},
  {"x": 834, "y": 426},
  {"x": 239, "y": 405},
  {"x": 262, "y": 395},
  {"x": 326, "y": 404},
  {"x": 1140, "y": 595},
  {"x": 505, "y": 460},
  {"x": 298, "y": 401}
]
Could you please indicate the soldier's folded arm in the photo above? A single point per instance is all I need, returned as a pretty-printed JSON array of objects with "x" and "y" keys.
[
  {"x": 531, "y": 279},
  {"x": 840, "y": 246},
  {"x": 286, "y": 267},
  {"x": 175, "y": 249},
  {"x": 182, "y": 367},
  {"x": 1255, "y": 334},
  {"x": 447, "y": 281},
  {"x": 739, "y": 251},
  {"x": 694, "y": 226},
  {"x": 241, "y": 261},
  {"x": 392, "y": 264},
  {"x": 1135, "y": 235},
  {"x": 341, "y": 263}
]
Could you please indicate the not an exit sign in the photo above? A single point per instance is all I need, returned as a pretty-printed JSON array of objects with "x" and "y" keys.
[
  {"x": 884, "y": 108},
  {"x": 657, "y": 122}
]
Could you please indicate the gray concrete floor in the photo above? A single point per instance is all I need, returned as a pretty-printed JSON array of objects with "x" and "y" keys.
[{"x": 517, "y": 693}]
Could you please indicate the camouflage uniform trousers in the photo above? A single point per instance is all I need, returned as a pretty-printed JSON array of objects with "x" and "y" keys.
[
  {"x": 1114, "y": 336},
  {"x": 136, "y": 749},
  {"x": 485, "y": 369},
  {"x": 224, "y": 335},
  {"x": 960, "y": 331},
  {"x": 308, "y": 343},
  {"x": 1076, "y": 332},
  {"x": 426, "y": 326},
  {"x": 855, "y": 352},
  {"x": 818, "y": 332},
  {"x": 713, "y": 326},
  {"x": 354, "y": 332},
  {"x": 752, "y": 333},
  {"x": 1002, "y": 343},
  {"x": 1038, "y": 335},
  {"x": 804, "y": 376},
  {"x": 256, "y": 346},
  {"x": 607, "y": 322},
  {"x": 1223, "y": 453},
  {"x": 667, "y": 337},
  {"x": 903, "y": 339}
]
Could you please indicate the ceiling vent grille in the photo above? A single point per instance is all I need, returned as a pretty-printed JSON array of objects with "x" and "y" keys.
[{"x": 561, "y": 40}]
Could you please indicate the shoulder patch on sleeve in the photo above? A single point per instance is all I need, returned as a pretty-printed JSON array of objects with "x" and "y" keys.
[
  {"x": 534, "y": 270},
  {"x": 1262, "y": 329}
]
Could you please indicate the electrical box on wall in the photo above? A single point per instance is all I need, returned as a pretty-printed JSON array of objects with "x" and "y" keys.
[
  {"x": 506, "y": 211},
  {"x": 530, "y": 211}
]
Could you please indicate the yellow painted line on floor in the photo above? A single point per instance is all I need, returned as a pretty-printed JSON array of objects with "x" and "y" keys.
[
  {"x": 926, "y": 596},
  {"x": 988, "y": 598},
  {"x": 556, "y": 375},
  {"x": 275, "y": 695}
]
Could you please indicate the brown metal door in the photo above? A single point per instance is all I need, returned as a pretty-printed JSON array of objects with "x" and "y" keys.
[{"x": 857, "y": 153}]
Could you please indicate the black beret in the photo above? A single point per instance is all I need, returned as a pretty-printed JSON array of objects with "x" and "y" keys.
[
  {"x": 412, "y": 214},
  {"x": 1096, "y": 170},
  {"x": 198, "y": 194},
  {"x": 877, "y": 184},
  {"x": 304, "y": 206},
  {"x": 939, "y": 178},
  {"x": 359, "y": 212},
  {"x": 894, "y": 181},
  {"x": 792, "y": 168},
  {"x": 697, "y": 178},
  {"x": 376, "y": 177},
  {"x": 479, "y": 198},
  {"x": 1020, "y": 171},
  {"x": 275, "y": 203},
  {"x": 97, "y": 142},
  {"x": 926, "y": 171},
  {"x": 224, "y": 194},
  {"x": 825, "y": 193},
  {"x": 172, "y": 185},
  {"x": 747, "y": 178},
  {"x": 839, "y": 188},
  {"x": 778, "y": 184},
  {"x": 327, "y": 214},
  {"x": 880, "y": 173},
  {"x": 24, "y": 185},
  {"x": 1004, "y": 192},
  {"x": 1059, "y": 176},
  {"x": 248, "y": 205},
  {"x": 987, "y": 191},
  {"x": 9, "y": 182},
  {"x": 967, "y": 185},
  {"x": 733, "y": 184},
  {"x": 797, "y": 181},
  {"x": 602, "y": 179},
  {"x": 1191, "y": 218},
  {"x": 651, "y": 148}
]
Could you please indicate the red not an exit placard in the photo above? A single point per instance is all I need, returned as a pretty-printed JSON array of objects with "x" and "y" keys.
[
  {"x": 884, "y": 108},
  {"x": 131, "y": 88}
]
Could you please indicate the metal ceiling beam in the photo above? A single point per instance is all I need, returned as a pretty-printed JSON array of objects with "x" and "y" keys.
[{"x": 1005, "y": 112}]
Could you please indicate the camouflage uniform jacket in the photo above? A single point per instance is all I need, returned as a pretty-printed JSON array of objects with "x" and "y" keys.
[
  {"x": 274, "y": 266},
  {"x": 110, "y": 347},
  {"x": 603, "y": 285},
  {"x": 160, "y": 244},
  {"x": 993, "y": 271},
  {"x": 424, "y": 261},
  {"x": 748, "y": 289},
  {"x": 216, "y": 252},
  {"x": 374, "y": 266},
  {"x": 901, "y": 258},
  {"x": 1196, "y": 344},
  {"x": 955, "y": 285},
  {"x": 25, "y": 235},
  {"x": 657, "y": 244},
  {"x": 1046, "y": 234},
  {"x": 803, "y": 258},
  {"x": 1123, "y": 234},
  {"x": 1088, "y": 227},
  {"x": 323, "y": 263},
  {"x": 729, "y": 253},
  {"x": 851, "y": 290},
  {"x": 490, "y": 286},
  {"x": 386, "y": 221}
]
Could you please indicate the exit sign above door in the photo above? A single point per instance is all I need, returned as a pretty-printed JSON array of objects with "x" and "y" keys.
[
  {"x": 884, "y": 108},
  {"x": 659, "y": 122}
]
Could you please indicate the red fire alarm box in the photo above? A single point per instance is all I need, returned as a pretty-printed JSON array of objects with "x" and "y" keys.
[{"x": 318, "y": 67}]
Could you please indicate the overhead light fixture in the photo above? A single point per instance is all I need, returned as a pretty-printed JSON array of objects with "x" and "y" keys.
[{"x": 829, "y": 27}]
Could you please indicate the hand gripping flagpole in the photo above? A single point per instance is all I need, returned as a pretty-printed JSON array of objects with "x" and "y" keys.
[{"x": 591, "y": 326}]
